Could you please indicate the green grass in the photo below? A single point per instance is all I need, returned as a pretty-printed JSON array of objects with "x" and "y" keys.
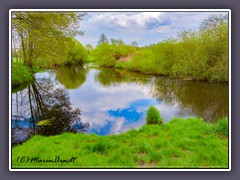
[
  {"x": 21, "y": 75},
  {"x": 181, "y": 143},
  {"x": 20, "y": 60}
]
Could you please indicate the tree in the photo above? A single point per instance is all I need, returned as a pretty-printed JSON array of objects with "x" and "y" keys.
[
  {"x": 89, "y": 47},
  {"x": 44, "y": 35},
  {"x": 116, "y": 41},
  {"x": 102, "y": 39},
  {"x": 134, "y": 44},
  {"x": 215, "y": 40},
  {"x": 213, "y": 22},
  {"x": 76, "y": 52}
]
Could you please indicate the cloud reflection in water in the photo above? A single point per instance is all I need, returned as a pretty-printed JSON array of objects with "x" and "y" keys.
[{"x": 115, "y": 108}]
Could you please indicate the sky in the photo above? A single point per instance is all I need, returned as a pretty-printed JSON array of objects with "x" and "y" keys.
[{"x": 143, "y": 27}]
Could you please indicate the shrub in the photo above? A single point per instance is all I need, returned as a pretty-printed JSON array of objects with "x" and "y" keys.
[
  {"x": 21, "y": 74},
  {"x": 109, "y": 54},
  {"x": 200, "y": 54},
  {"x": 76, "y": 52},
  {"x": 153, "y": 116}
]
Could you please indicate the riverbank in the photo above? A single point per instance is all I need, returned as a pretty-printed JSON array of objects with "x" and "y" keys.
[
  {"x": 166, "y": 60},
  {"x": 191, "y": 55},
  {"x": 181, "y": 143},
  {"x": 21, "y": 75}
]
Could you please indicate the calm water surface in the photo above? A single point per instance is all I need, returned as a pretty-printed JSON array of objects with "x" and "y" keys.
[{"x": 107, "y": 101}]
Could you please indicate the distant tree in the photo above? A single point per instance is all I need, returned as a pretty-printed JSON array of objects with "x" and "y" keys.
[
  {"x": 102, "y": 39},
  {"x": 116, "y": 41},
  {"x": 134, "y": 43},
  {"x": 213, "y": 22},
  {"x": 89, "y": 47}
]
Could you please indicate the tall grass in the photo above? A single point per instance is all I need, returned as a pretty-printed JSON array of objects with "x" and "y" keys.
[{"x": 221, "y": 127}]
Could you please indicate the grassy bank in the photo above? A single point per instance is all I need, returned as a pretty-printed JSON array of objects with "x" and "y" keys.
[
  {"x": 181, "y": 143},
  {"x": 21, "y": 74}
]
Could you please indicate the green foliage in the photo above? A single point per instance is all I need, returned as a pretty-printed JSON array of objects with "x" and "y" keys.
[
  {"x": 72, "y": 52},
  {"x": 103, "y": 55},
  {"x": 116, "y": 41},
  {"x": 36, "y": 69},
  {"x": 196, "y": 55},
  {"x": 221, "y": 127},
  {"x": 89, "y": 58},
  {"x": 181, "y": 143},
  {"x": 153, "y": 116},
  {"x": 17, "y": 60},
  {"x": 141, "y": 60},
  {"x": 76, "y": 52},
  {"x": 89, "y": 47},
  {"x": 44, "y": 35},
  {"x": 21, "y": 74},
  {"x": 108, "y": 54}
]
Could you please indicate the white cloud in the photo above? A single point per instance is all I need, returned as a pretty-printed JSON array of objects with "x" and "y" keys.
[
  {"x": 144, "y": 27},
  {"x": 123, "y": 20}
]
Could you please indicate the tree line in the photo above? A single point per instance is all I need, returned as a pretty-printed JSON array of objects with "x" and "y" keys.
[
  {"x": 48, "y": 40},
  {"x": 200, "y": 54}
]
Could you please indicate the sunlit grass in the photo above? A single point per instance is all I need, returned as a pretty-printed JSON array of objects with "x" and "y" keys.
[{"x": 181, "y": 143}]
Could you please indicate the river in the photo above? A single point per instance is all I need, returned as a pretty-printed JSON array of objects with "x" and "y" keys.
[{"x": 107, "y": 101}]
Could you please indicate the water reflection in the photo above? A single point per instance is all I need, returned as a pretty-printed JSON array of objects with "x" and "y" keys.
[
  {"x": 206, "y": 100},
  {"x": 71, "y": 77},
  {"x": 111, "y": 77},
  {"x": 114, "y": 101},
  {"x": 42, "y": 101}
]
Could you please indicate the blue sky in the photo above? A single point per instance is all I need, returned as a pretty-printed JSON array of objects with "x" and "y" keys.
[{"x": 144, "y": 27}]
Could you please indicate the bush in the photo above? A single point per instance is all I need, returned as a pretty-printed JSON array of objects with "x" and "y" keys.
[
  {"x": 77, "y": 53},
  {"x": 109, "y": 54},
  {"x": 153, "y": 116},
  {"x": 21, "y": 74},
  {"x": 200, "y": 54}
]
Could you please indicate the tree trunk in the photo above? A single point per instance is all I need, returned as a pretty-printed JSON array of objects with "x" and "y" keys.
[{"x": 23, "y": 49}]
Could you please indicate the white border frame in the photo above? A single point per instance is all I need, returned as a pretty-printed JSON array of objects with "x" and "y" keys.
[{"x": 120, "y": 10}]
